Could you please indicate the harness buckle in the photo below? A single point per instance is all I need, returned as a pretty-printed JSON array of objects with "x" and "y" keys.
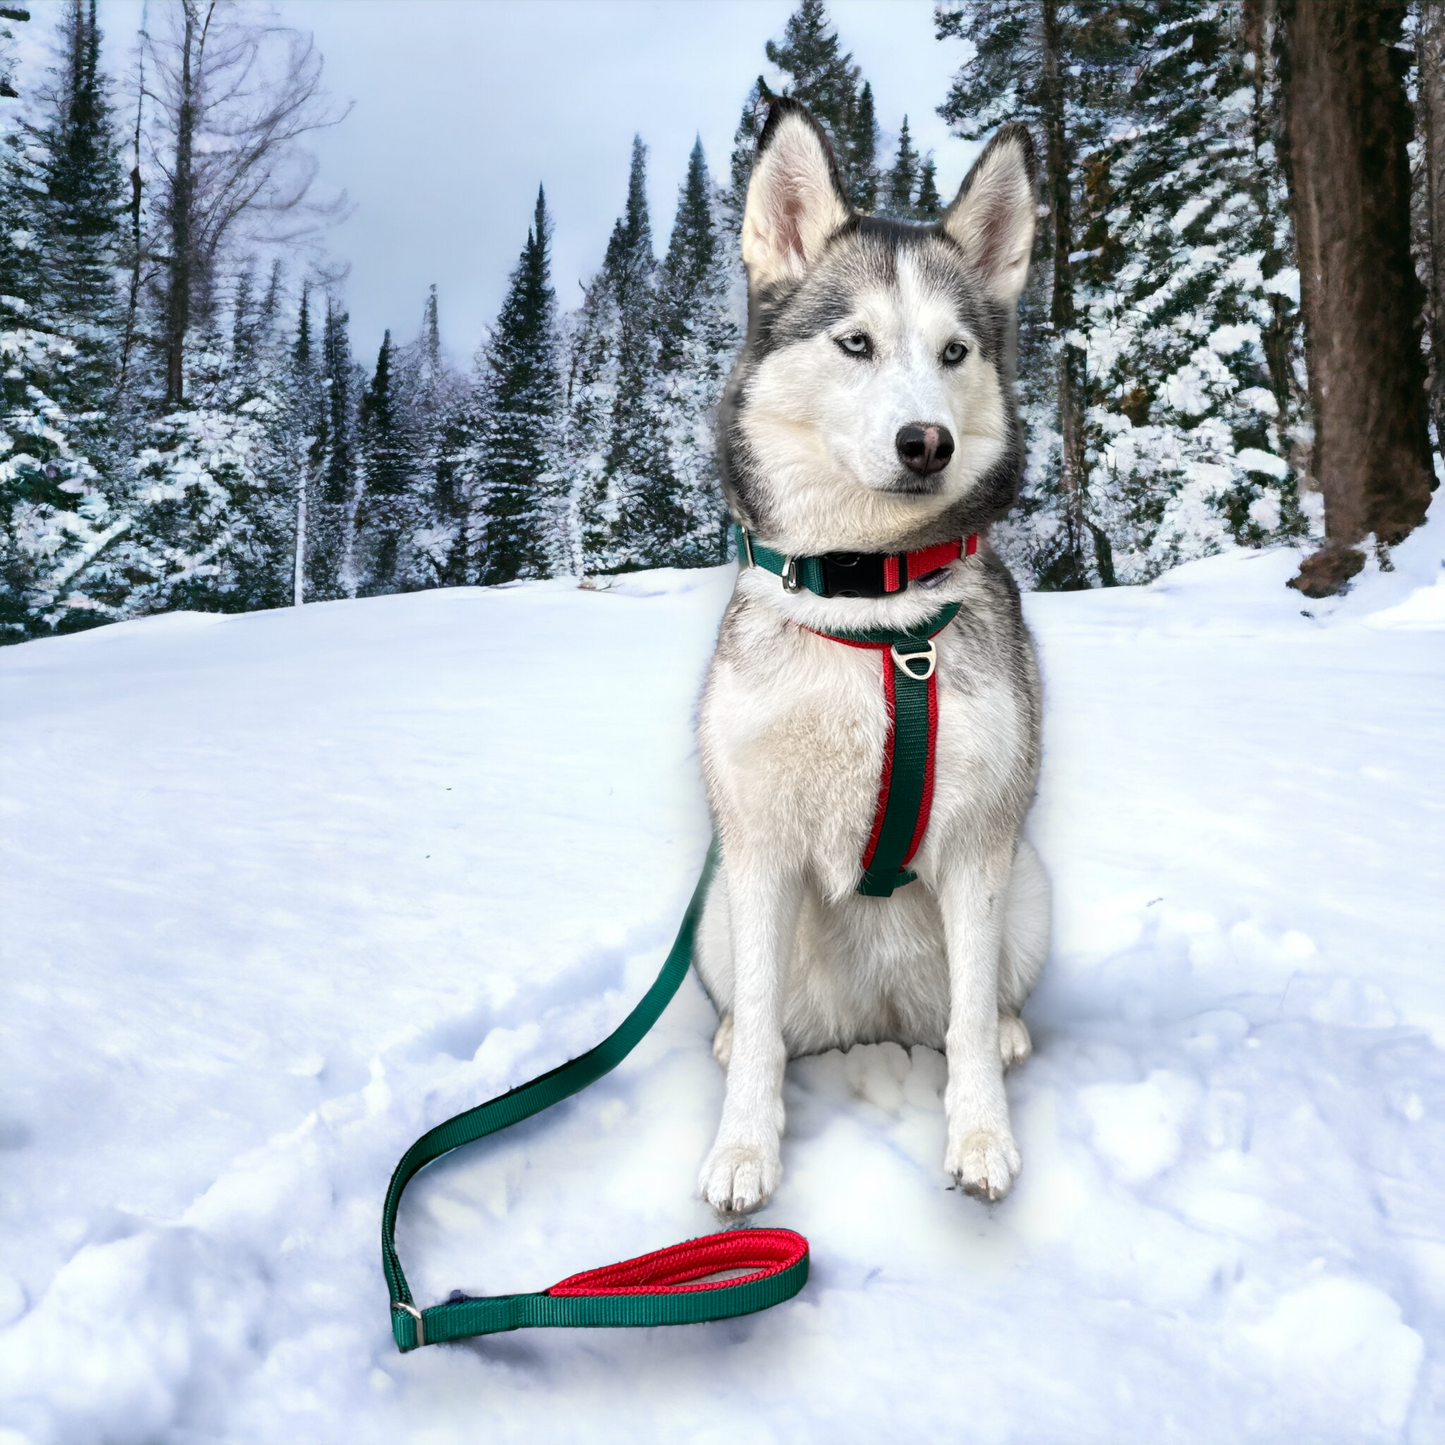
[
  {"x": 790, "y": 575},
  {"x": 904, "y": 660},
  {"x": 415, "y": 1313}
]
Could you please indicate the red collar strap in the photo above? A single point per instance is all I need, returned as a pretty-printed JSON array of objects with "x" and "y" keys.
[{"x": 852, "y": 574}]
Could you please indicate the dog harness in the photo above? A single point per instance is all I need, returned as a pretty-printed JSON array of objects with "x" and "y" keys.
[
  {"x": 678, "y": 1285},
  {"x": 909, "y": 659}
]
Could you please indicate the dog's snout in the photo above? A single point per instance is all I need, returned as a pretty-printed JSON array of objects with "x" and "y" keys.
[{"x": 925, "y": 449}]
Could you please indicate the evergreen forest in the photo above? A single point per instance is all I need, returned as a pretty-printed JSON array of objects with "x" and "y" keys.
[{"x": 186, "y": 425}]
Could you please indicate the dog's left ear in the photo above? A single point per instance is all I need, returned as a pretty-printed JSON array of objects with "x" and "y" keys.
[
  {"x": 795, "y": 197},
  {"x": 992, "y": 218}
]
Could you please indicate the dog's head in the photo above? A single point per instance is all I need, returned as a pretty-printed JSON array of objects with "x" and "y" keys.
[{"x": 872, "y": 407}]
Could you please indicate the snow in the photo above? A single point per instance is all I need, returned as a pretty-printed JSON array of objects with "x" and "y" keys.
[{"x": 284, "y": 889}]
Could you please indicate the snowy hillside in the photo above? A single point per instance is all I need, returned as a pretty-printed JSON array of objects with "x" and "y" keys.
[{"x": 284, "y": 889}]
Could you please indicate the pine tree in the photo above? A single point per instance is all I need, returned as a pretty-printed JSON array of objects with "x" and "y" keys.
[
  {"x": 429, "y": 400},
  {"x": 385, "y": 517},
  {"x": 59, "y": 522},
  {"x": 929, "y": 205},
  {"x": 625, "y": 501},
  {"x": 1190, "y": 327},
  {"x": 860, "y": 157},
  {"x": 80, "y": 231},
  {"x": 331, "y": 512},
  {"x": 825, "y": 79},
  {"x": 745, "y": 149},
  {"x": 903, "y": 177},
  {"x": 517, "y": 477},
  {"x": 1064, "y": 70},
  {"x": 697, "y": 337}
]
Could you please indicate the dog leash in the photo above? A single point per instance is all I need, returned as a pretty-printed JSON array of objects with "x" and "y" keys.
[{"x": 668, "y": 1287}]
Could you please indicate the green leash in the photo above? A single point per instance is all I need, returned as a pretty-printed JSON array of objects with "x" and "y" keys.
[{"x": 669, "y": 1287}]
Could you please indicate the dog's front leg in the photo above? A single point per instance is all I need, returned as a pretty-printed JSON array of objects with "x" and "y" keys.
[
  {"x": 981, "y": 1153},
  {"x": 745, "y": 1164}
]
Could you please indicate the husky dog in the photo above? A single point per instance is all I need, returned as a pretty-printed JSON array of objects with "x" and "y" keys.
[{"x": 872, "y": 410}]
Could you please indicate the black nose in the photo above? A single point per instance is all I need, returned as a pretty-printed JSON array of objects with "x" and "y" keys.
[{"x": 925, "y": 449}]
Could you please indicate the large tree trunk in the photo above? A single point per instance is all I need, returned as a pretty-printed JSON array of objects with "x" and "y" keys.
[
  {"x": 1073, "y": 569},
  {"x": 1432, "y": 124},
  {"x": 1347, "y": 123}
]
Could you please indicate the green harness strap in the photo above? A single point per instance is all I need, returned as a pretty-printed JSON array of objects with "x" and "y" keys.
[
  {"x": 905, "y": 790},
  {"x": 669, "y": 1287}
]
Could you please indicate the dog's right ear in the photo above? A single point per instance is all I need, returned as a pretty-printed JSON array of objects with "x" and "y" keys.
[{"x": 795, "y": 198}]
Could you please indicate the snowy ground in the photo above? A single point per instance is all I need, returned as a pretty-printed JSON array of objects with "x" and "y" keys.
[{"x": 282, "y": 890}]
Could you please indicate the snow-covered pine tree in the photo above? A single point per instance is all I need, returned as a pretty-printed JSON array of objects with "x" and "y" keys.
[
  {"x": 902, "y": 180},
  {"x": 1188, "y": 303},
  {"x": 626, "y": 503},
  {"x": 331, "y": 513},
  {"x": 1064, "y": 70},
  {"x": 428, "y": 394},
  {"x": 745, "y": 147},
  {"x": 59, "y": 521},
  {"x": 823, "y": 75},
  {"x": 698, "y": 335},
  {"x": 929, "y": 204},
  {"x": 385, "y": 516},
  {"x": 300, "y": 427},
  {"x": 516, "y": 484},
  {"x": 860, "y": 158},
  {"x": 79, "y": 216}
]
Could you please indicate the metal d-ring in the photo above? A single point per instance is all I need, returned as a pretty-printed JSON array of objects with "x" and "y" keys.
[
  {"x": 929, "y": 659},
  {"x": 790, "y": 575}
]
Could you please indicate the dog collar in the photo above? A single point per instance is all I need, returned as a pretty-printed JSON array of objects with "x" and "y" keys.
[{"x": 852, "y": 574}]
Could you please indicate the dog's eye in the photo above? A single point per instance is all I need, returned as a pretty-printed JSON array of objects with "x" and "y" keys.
[
  {"x": 954, "y": 352},
  {"x": 855, "y": 344}
]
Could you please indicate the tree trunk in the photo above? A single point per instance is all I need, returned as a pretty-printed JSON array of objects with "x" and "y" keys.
[
  {"x": 1432, "y": 123},
  {"x": 1347, "y": 123},
  {"x": 182, "y": 203},
  {"x": 1074, "y": 572}
]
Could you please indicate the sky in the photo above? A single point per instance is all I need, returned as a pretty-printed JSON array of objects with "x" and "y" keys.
[{"x": 459, "y": 108}]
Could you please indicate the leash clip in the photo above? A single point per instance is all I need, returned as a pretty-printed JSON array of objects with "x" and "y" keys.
[
  {"x": 790, "y": 575},
  {"x": 929, "y": 659},
  {"x": 416, "y": 1315}
]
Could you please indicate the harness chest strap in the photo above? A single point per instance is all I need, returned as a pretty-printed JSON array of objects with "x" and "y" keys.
[{"x": 905, "y": 790}]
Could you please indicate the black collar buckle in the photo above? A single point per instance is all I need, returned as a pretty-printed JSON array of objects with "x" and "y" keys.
[{"x": 860, "y": 574}]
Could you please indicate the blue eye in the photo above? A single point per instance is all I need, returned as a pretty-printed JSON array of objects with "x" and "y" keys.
[
  {"x": 954, "y": 352},
  {"x": 855, "y": 344}
]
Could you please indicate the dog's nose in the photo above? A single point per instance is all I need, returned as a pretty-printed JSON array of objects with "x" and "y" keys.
[{"x": 925, "y": 449}]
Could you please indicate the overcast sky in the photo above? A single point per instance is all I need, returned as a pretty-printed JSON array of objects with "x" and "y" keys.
[{"x": 460, "y": 108}]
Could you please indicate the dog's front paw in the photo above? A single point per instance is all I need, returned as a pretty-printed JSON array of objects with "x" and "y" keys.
[
  {"x": 984, "y": 1163},
  {"x": 1014, "y": 1043},
  {"x": 738, "y": 1178}
]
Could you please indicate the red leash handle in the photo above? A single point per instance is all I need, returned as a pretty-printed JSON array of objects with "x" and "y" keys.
[{"x": 680, "y": 1268}]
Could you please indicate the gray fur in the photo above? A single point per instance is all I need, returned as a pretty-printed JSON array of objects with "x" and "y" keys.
[{"x": 793, "y": 727}]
